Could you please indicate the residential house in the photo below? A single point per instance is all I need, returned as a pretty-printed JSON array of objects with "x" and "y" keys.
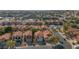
[
  {"x": 17, "y": 36},
  {"x": 39, "y": 38},
  {"x": 27, "y": 37}
]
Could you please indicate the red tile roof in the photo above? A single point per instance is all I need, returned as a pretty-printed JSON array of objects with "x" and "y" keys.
[
  {"x": 5, "y": 36},
  {"x": 27, "y": 33},
  {"x": 18, "y": 33}
]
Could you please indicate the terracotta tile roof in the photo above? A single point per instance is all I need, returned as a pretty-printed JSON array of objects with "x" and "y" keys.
[
  {"x": 47, "y": 33},
  {"x": 43, "y": 26},
  {"x": 5, "y": 36},
  {"x": 77, "y": 38},
  {"x": 18, "y": 33},
  {"x": 38, "y": 33},
  {"x": 27, "y": 33},
  {"x": 1, "y": 38},
  {"x": 73, "y": 29},
  {"x": 37, "y": 27}
]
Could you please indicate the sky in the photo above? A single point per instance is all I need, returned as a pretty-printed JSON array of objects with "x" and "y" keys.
[{"x": 38, "y": 4}]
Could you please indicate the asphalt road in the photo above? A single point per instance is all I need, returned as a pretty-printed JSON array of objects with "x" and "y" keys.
[
  {"x": 36, "y": 47},
  {"x": 63, "y": 39}
]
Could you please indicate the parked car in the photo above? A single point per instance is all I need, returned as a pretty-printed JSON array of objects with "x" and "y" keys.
[{"x": 59, "y": 47}]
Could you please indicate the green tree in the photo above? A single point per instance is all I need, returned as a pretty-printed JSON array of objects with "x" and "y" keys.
[
  {"x": 1, "y": 31},
  {"x": 53, "y": 40},
  {"x": 33, "y": 32},
  {"x": 65, "y": 27},
  {"x": 7, "y": 29}
]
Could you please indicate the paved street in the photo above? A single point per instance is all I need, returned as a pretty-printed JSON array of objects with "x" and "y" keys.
[
  {"x": 47, "y": 46},
  {"x": 62, "y": 38}
]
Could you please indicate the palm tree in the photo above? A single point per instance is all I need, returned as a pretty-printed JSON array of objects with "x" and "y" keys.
[
  {"x": 33, "y": 32},
  {"x": 65, "y": 27},
  {"x": 10, "y": 43}
]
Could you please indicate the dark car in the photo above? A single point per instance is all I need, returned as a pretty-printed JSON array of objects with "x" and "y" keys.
[{"x": 59, "y": 47}]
